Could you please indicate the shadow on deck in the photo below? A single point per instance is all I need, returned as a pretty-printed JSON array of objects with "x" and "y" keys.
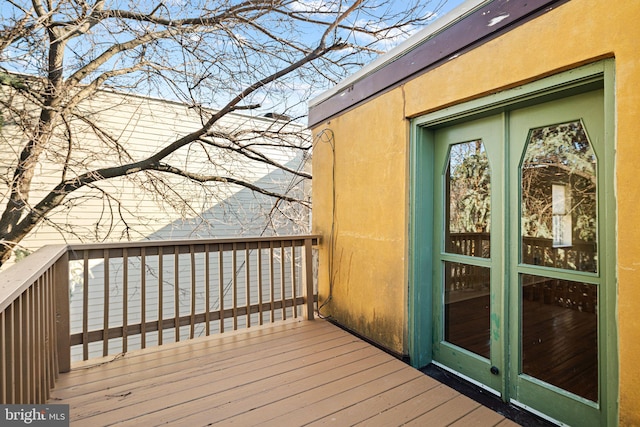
[{"x": 290, "y": 373}]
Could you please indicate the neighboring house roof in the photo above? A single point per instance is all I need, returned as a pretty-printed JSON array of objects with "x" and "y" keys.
[{"x": 467, "y": 26}]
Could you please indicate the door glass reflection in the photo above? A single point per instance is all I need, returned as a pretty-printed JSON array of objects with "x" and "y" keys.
[
  {"x": 468, "y": 200},
  {"x": 559, "y": 223},
  {"x": 560, "y": 333},
  {"x": 467, "y": 307}
]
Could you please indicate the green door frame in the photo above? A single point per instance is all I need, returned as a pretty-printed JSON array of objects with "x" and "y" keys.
[{"x": 420, "y": 304}]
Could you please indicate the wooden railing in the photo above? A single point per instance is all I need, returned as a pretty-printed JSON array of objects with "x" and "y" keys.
[
  {"x": 470, "y": 244},
  {"x": 83, "y": 301},
  {"x": 561, "y": 293},
  {"x": 34, "y": 325},
  {"x": 581, "y": 256}
]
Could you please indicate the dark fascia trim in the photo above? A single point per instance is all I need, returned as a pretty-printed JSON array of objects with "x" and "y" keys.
[{"x": 484, "y": 24}]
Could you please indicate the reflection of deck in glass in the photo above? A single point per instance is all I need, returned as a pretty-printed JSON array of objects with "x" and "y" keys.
[
  {"x": 559, "y": 342},
  {"x": 560, "y": 334},
  {"x": 580, "y": 256}
]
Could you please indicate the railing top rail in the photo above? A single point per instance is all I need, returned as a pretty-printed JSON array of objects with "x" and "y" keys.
[
  {"x": 166, "y": 243},
  {"x": 17, "y": 278}
]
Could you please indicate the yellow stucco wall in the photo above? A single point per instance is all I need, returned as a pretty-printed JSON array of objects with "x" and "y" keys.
[
  {"x": 369, "y": 289},
  {"x": 369, "y": 219}
]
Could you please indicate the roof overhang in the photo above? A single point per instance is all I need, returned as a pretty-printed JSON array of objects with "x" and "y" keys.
[{"x": 466, "y": 27}]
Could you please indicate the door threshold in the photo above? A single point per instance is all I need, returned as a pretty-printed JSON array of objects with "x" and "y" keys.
[{"x": 485, "y": 397}]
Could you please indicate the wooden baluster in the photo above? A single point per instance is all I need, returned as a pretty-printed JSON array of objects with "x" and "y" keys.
[
  {"x": 106, "y": 285},
  {"x": 271, "y": 282},
  {"x": 40, "y": 349},
  {"x": 143, "y": 298},
  {"x": 192, "y": 330},
  {"x": 259, "y": 281},
  {"x": 160, "y": 295},
  {"x": 63, "y": 328},
  {"x": 234, "y": 272},
  {"x": 85, "y": 303},
  {"x": 125, "y": 299},
  {"x": 51, "y": 332},
  {"x": 283, "y": 296},
  {"x": 22, "y": 369},
  {"x": 247, "y": 284},
  {"x": 30, "y": 356},
  {"x": 221, "y": 287},
  {"x": 11, "y": 353},
  {"x": 294, "y": 292},
  {"x": 176, "y": 291},
  {"x": 207, "y": 290}
]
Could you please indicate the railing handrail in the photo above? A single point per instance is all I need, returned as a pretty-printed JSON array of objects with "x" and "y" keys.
[
  {"x": 15, "y": 279},
  {"x": 187, "y": 242},
  {"x": 18, "y": 277}
]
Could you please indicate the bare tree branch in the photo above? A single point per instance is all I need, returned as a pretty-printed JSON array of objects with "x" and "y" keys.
[{"x": 61, "y": 60}]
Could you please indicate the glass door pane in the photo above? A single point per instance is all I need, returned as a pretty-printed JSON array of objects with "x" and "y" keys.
[
  {"x": 467, "y": 232},
  {"x": 560, "y": 333},
  {"x": 467, "y": 307},
  {"x": 559, "y": 204},
  {"x": 468, "y": 204}
]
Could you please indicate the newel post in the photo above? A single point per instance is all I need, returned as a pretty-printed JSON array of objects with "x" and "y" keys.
[
  {"x": 308, "y": 278},
  {"x": 61, "y": 278}
]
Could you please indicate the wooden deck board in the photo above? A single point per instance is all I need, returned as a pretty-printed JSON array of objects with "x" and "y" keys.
[
  {"x": 479, "y": 417},
  {"x": 191, "y": 370},
  {"x": 414, "y": 407},
  {"x": 340, "y": 400},
  {"x": 291, "y": 374}
]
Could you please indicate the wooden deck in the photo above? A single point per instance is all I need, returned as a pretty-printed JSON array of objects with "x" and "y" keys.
[{"x": 291, "y": 374}]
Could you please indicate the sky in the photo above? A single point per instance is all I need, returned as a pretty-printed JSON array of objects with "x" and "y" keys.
[
  {"x": 269, "y": 104},
  {"x": 443, "y": 6}
]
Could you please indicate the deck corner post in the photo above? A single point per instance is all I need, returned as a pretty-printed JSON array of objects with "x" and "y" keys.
[
  {"x": 61, "y": 282},
  {"x": 308, "y": 278}
]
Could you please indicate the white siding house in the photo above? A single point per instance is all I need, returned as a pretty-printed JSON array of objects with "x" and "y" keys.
[
  {"x": 128, "y": 208},
  {"x": 116, "y": 128}
]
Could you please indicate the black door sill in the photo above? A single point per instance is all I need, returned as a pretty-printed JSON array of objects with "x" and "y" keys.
[{"x": 485, "y": 398}]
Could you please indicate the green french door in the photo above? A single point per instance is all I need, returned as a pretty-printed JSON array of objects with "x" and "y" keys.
[
  {"x": 518, "y": 232},
  {"x": 467, "y": 299}
]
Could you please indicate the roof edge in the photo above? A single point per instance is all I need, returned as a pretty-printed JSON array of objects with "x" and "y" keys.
[
  {"x": 427, "y": 50},
  {"x": 439, "y": 24}
]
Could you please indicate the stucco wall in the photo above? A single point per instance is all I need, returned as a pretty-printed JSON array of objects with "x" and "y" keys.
[
  {"x": 368, "y": 220},
  {"x": 370, "y": 268}
]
